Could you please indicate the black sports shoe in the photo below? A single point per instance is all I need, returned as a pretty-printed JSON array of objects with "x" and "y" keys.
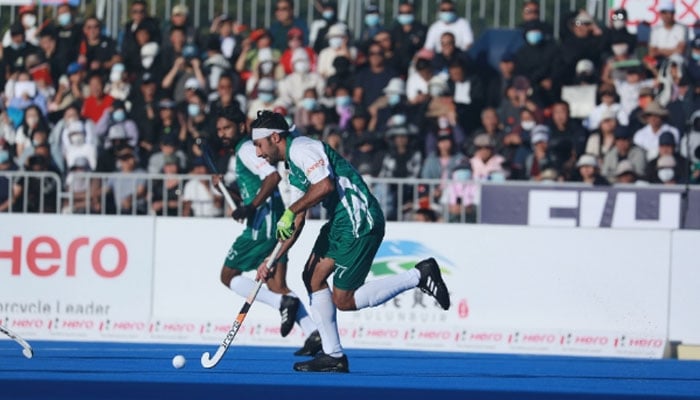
[
  {"x": 324, "y": 363},
  {"x": 288, "y": 310},
  {"x": 312, "y": 345},
  {"x": 431, "y": 282}
]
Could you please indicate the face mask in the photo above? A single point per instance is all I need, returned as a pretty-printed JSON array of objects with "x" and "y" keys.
[
  {"x": 119, "y": 115},
  {"x": 618, "y": 24},
  {"x": 16, "y": 46},
  {"x": 31, "y": 121},
  {"x": 394, "y": 99},
  {"x": 335, "y": 42},
  {"x": 301, "y": 67},
  {"x": 527, "y": 125},
  {"x": 308, "y": 103},
  {"x": 497, "y": 177},
  {"x": 4, "y": 156},
  {"x": 665, "y": 174},
  {"x": 193, "y": 110},
  {"x": 398, "y": 120},
  {"x": 147, "y": 62},
  {"x": 342, "y": 101},
  {"x": 115, "y": 76},
  {"x": 328, "y": 15},
  {"x": 28, "y": 20},
  {"x": 447, "y": 16},
  {"x": 533, "y": 37},
  {"x": 462, "y": 175},
  {"x": 371, "y": 19},
  {"x": 405, "y": 19},
  {"x": 619, "y": 49},
  {"x": 266, "y": 67},
  {"x": 64, "y": 19},
  {"x": 266, "y": 97},
  {"x": 35, "y": 142},
  {"x": 695, "y": 55},
  {"x": 77, "y": 139}
]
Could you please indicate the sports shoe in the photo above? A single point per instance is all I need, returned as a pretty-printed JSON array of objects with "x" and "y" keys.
[
  {"x": 324, "y": 363},
  {"x": 288, "y": 310},
  {"x": 431, "y": 282},
  {"x": 312, "y": 345}
]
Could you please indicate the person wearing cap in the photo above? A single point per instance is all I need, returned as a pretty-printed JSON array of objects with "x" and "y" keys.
[
  {"x": 144, "y": 112},
  {"x": 168, "y": 124},
  {"x": 664, "y": 171},
  {"x": 346, "y": 244},
  {"x": 100, "y": 50},
  {"x": 291, "y": 88},
  {"x": 338, "y": 46},
  {"x": 588, "y": 171},
  {"x": 118, "y": 116},
  {"x": 285, "y": 20},
  {"x": 180, "y": 18},
  {"x": 485, "y": 162},
  {"x": 408, "y": 35},
  {"x": 668, "y": 148},
  {"x": 371, "y": 25},
  {"x": 294, "y": 42},
  {"x": 625, "y": 173},
  {"x": 402, "y": 160},
  {"x": 449, "y": 21},
  {"x": 541, "y": 158},
  {"x": 669, "y": 37},
  {"x": 602, "y": 140},
  {"x": 78, "y": 146},
  {"x": 265, "y": 100},
  {"x": 647, "y": 137},
  {"x": 27, "y": 20},
  {"x": 392, "y": 103},
  {"x": 128, "y": 192}
]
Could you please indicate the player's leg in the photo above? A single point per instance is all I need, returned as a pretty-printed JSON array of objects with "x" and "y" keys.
[
  {"x": 316, "y": 273},
  {"x": 293, "y": 310}
]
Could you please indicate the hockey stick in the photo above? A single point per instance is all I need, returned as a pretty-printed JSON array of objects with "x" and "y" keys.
[
  {"x": 206, "y": 153},
  {"x": 208, "y": 361},
  {"x": 26, "y": 348}
]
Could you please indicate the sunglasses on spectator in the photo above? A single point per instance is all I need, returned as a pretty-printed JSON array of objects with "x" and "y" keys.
[
  {"x": 618, "y": 17},
  {"x": 582, "y": 23}
]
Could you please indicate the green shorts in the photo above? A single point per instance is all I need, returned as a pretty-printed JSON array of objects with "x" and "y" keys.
[
  {"x": 353, "y": 256},
  {"x": 247, "y": 254}
]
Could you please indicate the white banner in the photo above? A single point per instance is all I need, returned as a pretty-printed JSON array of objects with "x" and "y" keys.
[
  {"x": 79, "y": 277},
  {"x": 638, "y": 11},
  {"x": 684, "y": 324}
]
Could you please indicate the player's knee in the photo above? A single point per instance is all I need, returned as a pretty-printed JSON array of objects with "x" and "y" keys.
[
  {"x": 344, "y": 301},
  {"x": 227, "y": 274}
]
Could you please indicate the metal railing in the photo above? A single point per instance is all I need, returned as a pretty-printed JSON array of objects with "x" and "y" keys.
[
  {"x": 30, "y": 192},
  {"x": 482, "y": 14}
]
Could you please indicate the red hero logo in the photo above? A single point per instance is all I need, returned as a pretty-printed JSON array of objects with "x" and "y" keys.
[{"x": 44, "y": 256}]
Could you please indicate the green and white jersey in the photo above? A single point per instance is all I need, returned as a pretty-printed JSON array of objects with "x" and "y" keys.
[
  {"x": 251, "y": 170},
  {"x": 351, "y": 207}
]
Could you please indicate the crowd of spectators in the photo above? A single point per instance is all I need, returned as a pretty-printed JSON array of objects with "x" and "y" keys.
[{"x": 409, "y": 100}]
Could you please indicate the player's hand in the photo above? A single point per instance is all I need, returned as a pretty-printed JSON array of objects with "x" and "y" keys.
[
  {"x": 285, "y": 226},
  {"x": 243, "y": 212}
]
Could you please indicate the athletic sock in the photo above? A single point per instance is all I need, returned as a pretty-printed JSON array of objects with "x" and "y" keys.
[
  {"x": 323, "y": 310},
  {"x": 304, "y": 319},
  {"x": 376, "y": 292},
  {"x": 243, "y": 286}
]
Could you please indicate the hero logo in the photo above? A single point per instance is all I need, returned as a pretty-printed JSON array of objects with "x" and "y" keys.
[{"x": 44, "y": 256}]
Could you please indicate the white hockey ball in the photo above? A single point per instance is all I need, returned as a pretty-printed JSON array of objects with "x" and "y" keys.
[{"x": 179, "y": 361}]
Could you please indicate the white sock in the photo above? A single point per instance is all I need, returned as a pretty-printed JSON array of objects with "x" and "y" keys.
[
  {"x": 323, "y": 310},
  {"x": 304, "y": 320},
  {"x": 243, "y": 286},
  {"x": 376, "y": 292}
]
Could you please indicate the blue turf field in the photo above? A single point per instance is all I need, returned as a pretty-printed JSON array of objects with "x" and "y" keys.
[{"x": 71, "y": 370}]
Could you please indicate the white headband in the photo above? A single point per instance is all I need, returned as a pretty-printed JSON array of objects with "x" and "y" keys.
[{"x": 259, "y": 133}]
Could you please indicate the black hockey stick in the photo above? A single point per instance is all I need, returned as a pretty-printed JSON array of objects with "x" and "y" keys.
[
  {"x": 208, "y": 361},
  {"x": 26, "y": 348}
]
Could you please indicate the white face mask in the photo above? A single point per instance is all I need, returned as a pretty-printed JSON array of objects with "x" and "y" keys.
[
  {"x": 618, "y": 24},
  {"x": 147, "y": 62},
  {"x": 665, "y": 174},
  {"x": 266, "y": 67},
  {"x": 301, "y": 67},
  {"x": 31, "y": 121},
  {"x": 77, "y": 139},
  {"x": 335, "y": 42},
  {"x": 527, "y": 125},
  {"x": 28, "y": 20},
  {"x": 115, "y": 76},
  {"x": 619, "y": 49}
]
